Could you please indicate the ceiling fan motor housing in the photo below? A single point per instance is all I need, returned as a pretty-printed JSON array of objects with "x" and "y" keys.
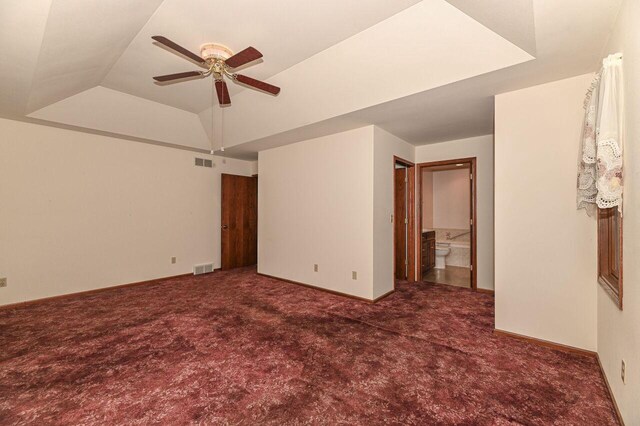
[{"x": 211, "y": 52}]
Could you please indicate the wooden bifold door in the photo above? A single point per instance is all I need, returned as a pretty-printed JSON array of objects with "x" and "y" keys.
[
  {"x": 239, "y": 221},
  {"x": 403, "y": 220}
]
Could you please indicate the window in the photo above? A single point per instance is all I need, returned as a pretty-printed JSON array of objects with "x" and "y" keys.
[{"x": 610, "y": 252}]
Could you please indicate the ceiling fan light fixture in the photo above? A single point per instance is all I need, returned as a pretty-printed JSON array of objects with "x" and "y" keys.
[{"x": 213, "y": 51}]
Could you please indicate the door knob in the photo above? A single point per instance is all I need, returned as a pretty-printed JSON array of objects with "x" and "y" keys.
[{"x": 225, "y": 227}]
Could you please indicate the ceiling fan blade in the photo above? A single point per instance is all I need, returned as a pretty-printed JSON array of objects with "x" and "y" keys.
[
  {"x": 223, "y": 93},
  {"x": 177, "y": 48},
  {"x": 177, "y": 76},
  {"x": 243, "y": 57},
  {"x": 261, "y": 85}
]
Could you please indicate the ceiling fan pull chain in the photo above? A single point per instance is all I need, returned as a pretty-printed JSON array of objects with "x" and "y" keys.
[
  {"x": 221, "y": 128},
  {"x": 213, "y": 98}
]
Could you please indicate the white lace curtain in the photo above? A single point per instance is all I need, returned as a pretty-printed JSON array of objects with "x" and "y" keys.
[{"x": 600, "y": 165}]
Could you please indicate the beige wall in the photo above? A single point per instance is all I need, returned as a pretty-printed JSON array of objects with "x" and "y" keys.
[
  {"x": 451, "y": 208},
  {"x": 619, "y": 331},
  {"x": 482, "y": 148},
  {"x": 545, "y": 250},
  {"x": 328, "y": 201},
  {"x": 315, "y": 206},
  {"x": 386, "y": 146},
  {"x": 427, "y": 199},
  {"x": 82, "y": 211}
]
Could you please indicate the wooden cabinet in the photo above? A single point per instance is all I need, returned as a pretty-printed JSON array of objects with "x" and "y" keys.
[{"x": 428, "y": 257}]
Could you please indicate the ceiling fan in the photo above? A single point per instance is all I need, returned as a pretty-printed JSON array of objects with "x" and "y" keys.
[{"x": 219, "y": 61}]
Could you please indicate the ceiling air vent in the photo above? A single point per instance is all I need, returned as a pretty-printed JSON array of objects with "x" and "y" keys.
[
  {"x": 205, "y": 268},
  {"x": 203, "y": 162}
]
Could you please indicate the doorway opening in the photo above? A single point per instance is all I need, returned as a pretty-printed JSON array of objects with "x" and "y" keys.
[
  {"x": 239, "y": 221},
  {"x": 403, "y": 219},
  {"x": 448, "y": 225}
]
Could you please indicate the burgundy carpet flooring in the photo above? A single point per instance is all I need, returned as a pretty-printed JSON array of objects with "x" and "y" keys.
[{"x": 241, "y": 349}]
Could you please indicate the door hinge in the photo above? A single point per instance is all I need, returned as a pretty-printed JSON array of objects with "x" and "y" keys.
[
  {"x": 471, "y": 222},
  {"x": 406, "y": 221},
  {"x": 406, "y": 261},
  {"x": 470, "y": 176},
  {"x": 471, "y": 268}
]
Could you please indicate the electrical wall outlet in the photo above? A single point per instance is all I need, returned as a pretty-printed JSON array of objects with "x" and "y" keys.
[
  {"x": 315, "y": 267},
  {"x": 173, "y": 259},
  {"x": 622, "y": 370},
  {"x": 3, "y": 282},
  {"x": 354, "y": 275}
]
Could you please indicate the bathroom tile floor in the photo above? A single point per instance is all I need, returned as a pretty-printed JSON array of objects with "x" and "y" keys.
[{"x": 452, "y": 275}]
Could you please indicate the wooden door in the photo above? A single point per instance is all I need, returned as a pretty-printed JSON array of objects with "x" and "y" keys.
[
  {"x": 472, "y": 224},
  {"x": 400, "y": 223},
  {"x": 239, "y": 221}
]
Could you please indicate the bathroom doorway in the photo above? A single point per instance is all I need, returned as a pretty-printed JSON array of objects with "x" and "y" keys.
[
  {"x": 447, "y": 222},
  {"x": 403, "y": 220}
]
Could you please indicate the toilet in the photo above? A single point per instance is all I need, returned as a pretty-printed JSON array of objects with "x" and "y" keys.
[{"x": 442, "y": 250}]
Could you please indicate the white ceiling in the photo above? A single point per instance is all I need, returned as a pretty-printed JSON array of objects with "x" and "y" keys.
[
  {"x": 570, "y": 38},
  {"x": 513, "y": 19},
  {"x": 58, "y": 48},
  {"x": 425, "y": 71},
  {"x": 82, "y": 40},
  {"x": 21, "y": 31},
  {"x": 426, "y": 46},
  {"x": 285, "y": 32}
]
